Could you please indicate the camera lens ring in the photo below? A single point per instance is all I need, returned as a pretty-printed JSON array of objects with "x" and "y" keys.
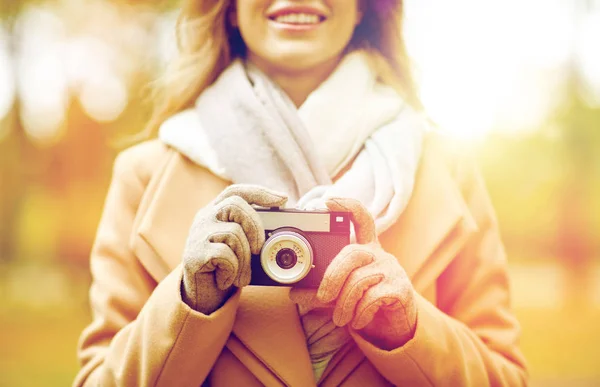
[
  {"x": 279, "y": 241},
  {"x": 286, "y": 258}
]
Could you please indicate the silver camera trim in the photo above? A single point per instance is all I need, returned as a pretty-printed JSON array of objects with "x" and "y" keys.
[
  {"x": 268, "y": 257},
  {"x": 305, "y": 221}
]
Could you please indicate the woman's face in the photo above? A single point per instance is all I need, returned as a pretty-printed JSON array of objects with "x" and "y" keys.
[{"x": 293, "y": 35}]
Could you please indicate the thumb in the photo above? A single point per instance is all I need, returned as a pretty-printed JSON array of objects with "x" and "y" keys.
[{"x": 364, "y": 225}]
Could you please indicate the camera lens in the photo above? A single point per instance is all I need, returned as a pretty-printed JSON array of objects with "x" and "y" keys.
[{"x": 286, "y": 258}]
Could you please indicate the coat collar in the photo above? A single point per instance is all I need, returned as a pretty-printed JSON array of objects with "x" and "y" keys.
[
  {"x": 433, "y": 228},
  {"x": 435, "y": 224}
]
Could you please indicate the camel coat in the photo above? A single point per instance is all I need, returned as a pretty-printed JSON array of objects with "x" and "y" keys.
[{"x": 142, "y": 334}]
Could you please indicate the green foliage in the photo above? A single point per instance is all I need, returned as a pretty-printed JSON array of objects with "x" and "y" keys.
[{"x": 545, "y": 184}]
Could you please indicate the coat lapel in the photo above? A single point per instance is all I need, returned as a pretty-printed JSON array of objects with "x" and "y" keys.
[
  {"x": 267, "y": 323},
  {"x": 433, "y": 228},
  {"x": 171, "y": 201}
]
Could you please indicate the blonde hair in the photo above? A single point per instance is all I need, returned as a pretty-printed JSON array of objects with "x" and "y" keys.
[{"x": 208, "y": 43}]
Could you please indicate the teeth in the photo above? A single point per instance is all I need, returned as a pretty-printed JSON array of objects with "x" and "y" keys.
[{"x": 298, "y": 18}]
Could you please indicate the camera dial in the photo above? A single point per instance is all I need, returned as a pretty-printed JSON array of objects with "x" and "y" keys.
[{"x": 286, "y": 256}]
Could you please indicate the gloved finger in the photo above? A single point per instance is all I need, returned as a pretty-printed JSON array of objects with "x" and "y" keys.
[
  {"x": 221, "y": 260},
  {"x": 307, "y": 298},
  {"x": 208, "y": 297},
  {"x": 232, "y": 235},
  {"x": 359, "y": 281},
  {"x": 350, "y": 258},
  {"x": 377, "y": 297},
  {"x": 364, "y": 225},
  {"x": 254, "y": 194},
  {"x": 235, "y": 209}
]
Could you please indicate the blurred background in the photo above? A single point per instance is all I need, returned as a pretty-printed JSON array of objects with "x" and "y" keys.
[{"x": 517, "y": 81}]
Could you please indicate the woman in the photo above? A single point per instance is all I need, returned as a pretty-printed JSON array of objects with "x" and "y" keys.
[{"x": 305, "y": 104}]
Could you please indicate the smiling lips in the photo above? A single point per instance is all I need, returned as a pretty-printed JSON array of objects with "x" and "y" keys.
[
  {"x": 298, "y": 18},
  {"x": 291, "y": 18}
]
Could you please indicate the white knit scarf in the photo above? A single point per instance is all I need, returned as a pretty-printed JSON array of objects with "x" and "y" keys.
[{"x": 246, "y": 130}]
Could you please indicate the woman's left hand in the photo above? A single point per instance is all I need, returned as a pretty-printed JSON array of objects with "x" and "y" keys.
[{"x": 371, "y": 290}]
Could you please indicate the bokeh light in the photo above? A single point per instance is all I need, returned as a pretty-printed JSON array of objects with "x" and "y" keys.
[
  {"x": 479, "y": 62},
  {"x": 42, "y": 82},
  {"x": 7, "y": 80},
  {"x": 103, "y": 97},
  {"x": 90, "y": 52}
]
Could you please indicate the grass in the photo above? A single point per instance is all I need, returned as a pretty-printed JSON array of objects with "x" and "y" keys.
[
  {"x": 39, "y": 349},
  {"x": 562, "y": 344}
]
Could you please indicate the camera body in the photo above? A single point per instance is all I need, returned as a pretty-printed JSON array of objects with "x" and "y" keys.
[{"x": 299, "y": 245}]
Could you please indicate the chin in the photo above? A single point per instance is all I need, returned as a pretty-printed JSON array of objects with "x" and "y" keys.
[
  {"x": 296, "y": 63},
  {"x": 300, "y": 59}
]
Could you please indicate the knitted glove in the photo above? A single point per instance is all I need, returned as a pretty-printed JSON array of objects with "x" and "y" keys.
[
  {"x": 372, "y": 292},
  {"x": 223, "y": 236}
]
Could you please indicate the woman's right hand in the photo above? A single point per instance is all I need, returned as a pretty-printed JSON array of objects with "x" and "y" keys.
[{"x": 223, "y": 235}]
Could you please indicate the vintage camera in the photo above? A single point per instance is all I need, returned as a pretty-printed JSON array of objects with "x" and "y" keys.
[{"x": 299, "y": 245}]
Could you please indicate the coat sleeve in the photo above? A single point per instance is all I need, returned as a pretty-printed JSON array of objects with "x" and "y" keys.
[
  {"x": 471, "y": 337},
  {"x": 142, "y": 333}
]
